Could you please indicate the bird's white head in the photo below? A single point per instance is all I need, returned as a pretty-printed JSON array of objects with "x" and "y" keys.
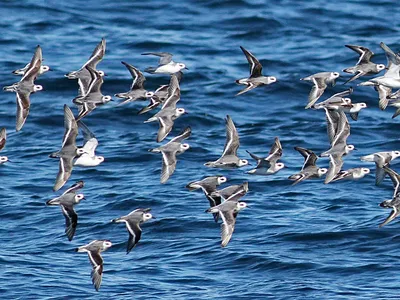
[
  {"x": 185, "y": 146},
  {"x": 365, "y": 170},
  {"x": 395, "y": 154},
  {"x": 279, "y": 166},
  {"x": 37, "y": 87},
  {"x": 380, "y": 67},
  {"x": 243, "y": 162},
  {"x": 149, "y": 94},
  {"x": 147, "y": 216},
  {"x": 221, "y": 179},
  {"x": 241, "y": 205},
  {"x": 322, "y": 171},
  {"x": 79, "y": 197}
]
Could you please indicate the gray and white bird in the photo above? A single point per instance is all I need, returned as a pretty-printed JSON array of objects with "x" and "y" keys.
[
  {"x": 229, "y": 158},
  {"x": 165, "y": 65},
  {"x": 209, "y": 185},
  {"x": 89, "y": 157},
  {"x": 338, "y": 132},
  {"x": 67, "y": 201},
  {"x": 381, "y": 159},
  {"x": 43, "y": 69},
  {"x": 163, "y": 93},
  {"x": 235, "y": 190},
  {"x": 338, "y": 129},
  {"x": 25, "y": 87},
  {"x": 169, "y": 152},
  {"x": 351, "y": 174},
  {"x": 336, "y": 101},
  {"x": 68, "y": 149},
  {"x": 384, "y": 93},
  {"x": 93, "y": 97},
  {"x": 256, "y": 78},
  {"x": 132, "y": 222},
  {"x": 309, "y": 169},
  {"x": 169, "y": 112},
  {"x": 268, "y": 165},
  {"x": 391, "y": 78},
  {"x": 228, "y": 211},
  {"x": 320, "y": 83},
  {"x": 364, "y": 65},
  {"x": 137, "y": 91},
  {"x": 94, "y": 250},
  {"x": 3, "y": 138}
]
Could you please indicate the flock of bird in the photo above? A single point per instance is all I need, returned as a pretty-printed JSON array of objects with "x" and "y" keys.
[{"x": 225, "y": 204}]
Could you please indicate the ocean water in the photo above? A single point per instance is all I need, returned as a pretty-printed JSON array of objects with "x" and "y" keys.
[{"x": 309, "y": 241}]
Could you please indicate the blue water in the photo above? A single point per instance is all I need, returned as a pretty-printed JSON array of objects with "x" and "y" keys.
[{"x": 308, "y": 241}]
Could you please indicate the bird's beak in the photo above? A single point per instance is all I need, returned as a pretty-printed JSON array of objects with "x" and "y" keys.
[
  {"x": 186, "y": 68},
  {"x": 153, "y": 217}
]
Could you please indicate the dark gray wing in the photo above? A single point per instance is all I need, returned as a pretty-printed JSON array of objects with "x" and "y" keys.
[
  {"x": 71, "y": 128},
  {"x": 97, "y": 272},
  {"x": 310, "y": 157},
  {"x": 182, "y": 136},
  {"x": 71, "y": 220},
  {"x": 138, "y": 77},
  {"x": 255, "y": 66},
  {"x": 135, "y": 234},
  {"x": 73, "y": 188},
  {"x": 232, "y": 138},
  {"x": 3, "y": 137},
  {"x": 34, "y": 67},
  {"x": 97, "y": 55}
]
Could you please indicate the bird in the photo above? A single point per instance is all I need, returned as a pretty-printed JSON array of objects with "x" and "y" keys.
[
  {"x": 169, "y": 112},
  {"x": 209, "y": 185},
  {"x": 320, "y": 83},
  {"x": 309, "y": 169},
  {"x": 381, "y": 159},
  {"x": 384, "y": 93},
  {"x": 132, "y": 222},
  {"x": 229, "y": 158},
  {"x": 228, "y": 211},
  {"x": 268, "y": 165},
  {"x": 353, "y": 174},
  {"x": 89, "y": 157},
  {"x": 256, "y": 78},
  {"x": 67, "y": 201},
  {"x": 169, "y": 152},
  {"x": 364, "y": 65},
  {"x": 68, "y": 149},
  {"x": 43, "y": 69},
  {"x": 336, "y": 101},
  {"x": 338, "y": 129},
  {"x": 94, "y": 250},
  {"x": 96, "y": 57},
  {"x": 165, "y": 65},
  {"x": 25, "y": 87},
  {"x": 3, "y": 137},
  {"x": 162, "y": 93},
  {"x": 93, "y": 97},
  {"x": 229, "y": 191},
  {"x": 137, "y": 91},
  {"x": 338, "y": 132},
  {"x": 391, "y": 78},
  {"x": 339, "y": 102}
]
